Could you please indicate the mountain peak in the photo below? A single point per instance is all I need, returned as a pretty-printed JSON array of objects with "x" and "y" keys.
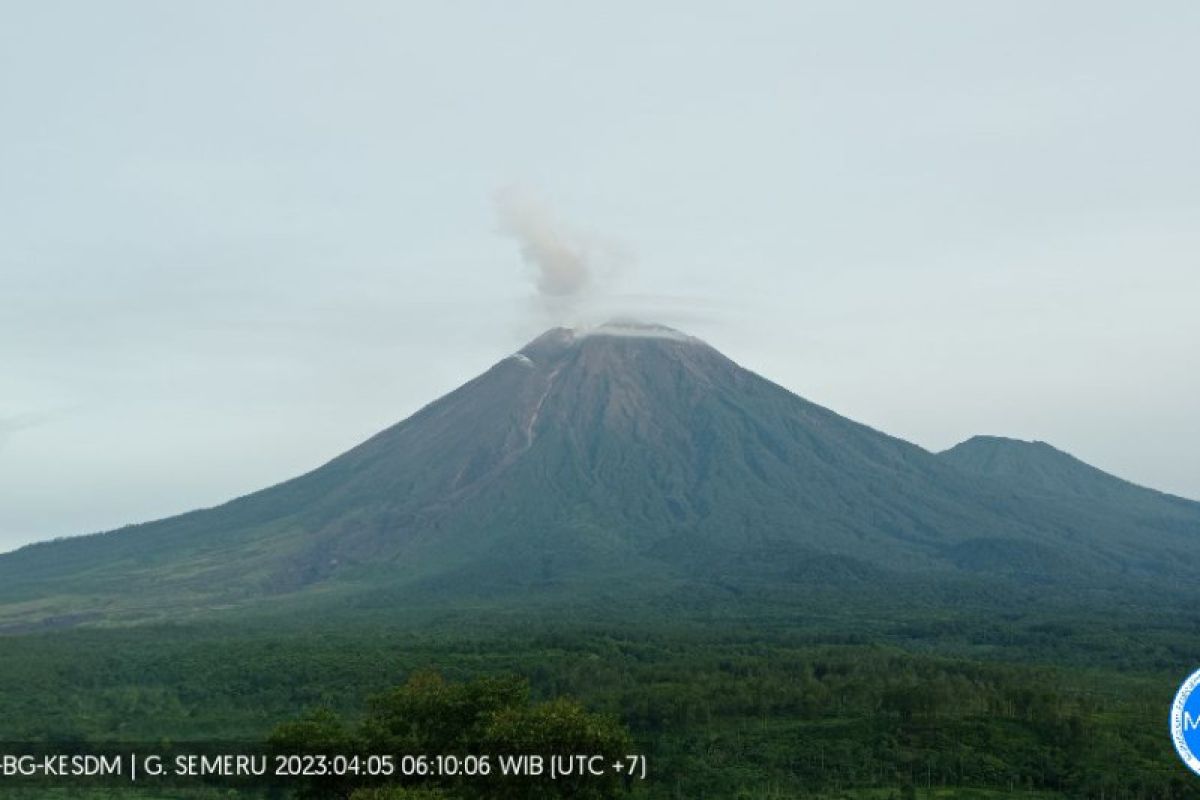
[
  {"x": 557, "y": 341},
  {"x": 1041, "y": 467},
  {"x": 998, "y": 454},
  {"x": 633, "y": 329},
  {"x": 619, "y": 327},
  {"x": 625, "y": 455},
  {"x": 988, "y": 440}
]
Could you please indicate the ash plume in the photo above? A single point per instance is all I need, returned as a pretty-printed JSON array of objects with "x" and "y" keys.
[
  {"x": 576, "y": 273},
  {"x": 568, "y": 265}
]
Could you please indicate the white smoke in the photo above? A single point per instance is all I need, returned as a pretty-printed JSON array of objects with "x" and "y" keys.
[
  {"x": 569, "y": 267},
  {"x": 575, "y": 274}
]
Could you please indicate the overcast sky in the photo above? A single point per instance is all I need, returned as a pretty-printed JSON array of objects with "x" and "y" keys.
[{"x": 236, "y": 238}]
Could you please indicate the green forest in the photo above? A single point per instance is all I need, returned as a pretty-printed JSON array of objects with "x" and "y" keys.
[{"x": 1006, "y": 704}]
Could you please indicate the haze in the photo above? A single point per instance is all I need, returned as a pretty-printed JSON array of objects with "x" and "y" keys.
[{"x": 238, "y": 238}]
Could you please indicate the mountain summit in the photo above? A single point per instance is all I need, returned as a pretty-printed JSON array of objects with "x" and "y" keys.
[{"x": 628, "y": 456}]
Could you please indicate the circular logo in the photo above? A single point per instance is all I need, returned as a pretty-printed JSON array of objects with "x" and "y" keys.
[{"x": 1185, "y": 722}]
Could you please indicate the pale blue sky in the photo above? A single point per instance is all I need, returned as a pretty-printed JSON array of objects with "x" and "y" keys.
[{"x": 238, "y": 237}]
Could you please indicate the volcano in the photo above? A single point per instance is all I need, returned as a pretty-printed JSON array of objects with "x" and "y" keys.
[{"x": 624, "y": 456}]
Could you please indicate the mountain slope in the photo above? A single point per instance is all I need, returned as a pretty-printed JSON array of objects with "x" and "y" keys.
[
  {"x": 1141, "y": 526},
  {"x": 626, "y": 457},
  {"x": 1039, "y": 467}
]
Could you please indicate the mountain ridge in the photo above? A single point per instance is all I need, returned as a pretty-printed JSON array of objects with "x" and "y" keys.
[
  {"x": 1040, "y": 463},
  {"x": 625, "y": 455}
]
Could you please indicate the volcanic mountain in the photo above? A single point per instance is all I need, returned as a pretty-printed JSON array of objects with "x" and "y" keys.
[{"x": 629, "y": 457}]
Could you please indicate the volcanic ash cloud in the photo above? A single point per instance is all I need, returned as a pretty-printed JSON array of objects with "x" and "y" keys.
[{"x": 568, "y": 266}]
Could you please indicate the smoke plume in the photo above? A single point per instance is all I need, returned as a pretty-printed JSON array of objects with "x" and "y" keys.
[{"x": 568, "y": 266}]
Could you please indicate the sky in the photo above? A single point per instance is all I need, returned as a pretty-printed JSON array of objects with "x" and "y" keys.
[{"x": 237, "y": 238}]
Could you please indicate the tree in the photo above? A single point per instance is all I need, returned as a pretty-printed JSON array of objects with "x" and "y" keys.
[{"x": 485, "y": 719}]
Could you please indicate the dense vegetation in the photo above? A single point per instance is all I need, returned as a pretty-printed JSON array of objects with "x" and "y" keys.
[
  {"x": 483, "y": 727},
  {"x": 1050, "y": 706}
]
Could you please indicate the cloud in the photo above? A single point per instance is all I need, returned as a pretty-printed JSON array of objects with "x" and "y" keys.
[{"x": 20, "y": 422}]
